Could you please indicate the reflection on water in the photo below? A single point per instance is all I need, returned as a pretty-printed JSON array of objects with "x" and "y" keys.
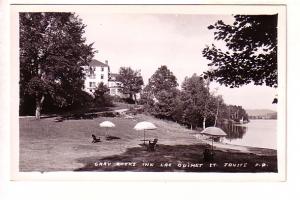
[
  {"x": 257, "y": 133},
  {"x": 233, "y": 131}
]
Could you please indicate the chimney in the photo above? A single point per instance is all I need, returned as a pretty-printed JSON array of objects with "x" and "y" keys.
[{"x": 106, "y": 62}]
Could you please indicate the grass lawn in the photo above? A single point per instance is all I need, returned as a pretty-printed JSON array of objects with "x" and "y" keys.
[{"x": 51, "y": 145}]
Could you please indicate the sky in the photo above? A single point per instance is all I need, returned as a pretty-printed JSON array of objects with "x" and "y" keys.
[{"x": 147, "y": 41}]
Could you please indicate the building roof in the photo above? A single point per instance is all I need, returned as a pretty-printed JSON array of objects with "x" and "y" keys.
[
  {"x": 96, "y": 63},
  {"x": 113, "y": 77}
]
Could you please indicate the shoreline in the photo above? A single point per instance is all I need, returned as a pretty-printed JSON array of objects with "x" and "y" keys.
[
  {"x": 67, "y": 146},
  {"x": 238, "y": 148}
]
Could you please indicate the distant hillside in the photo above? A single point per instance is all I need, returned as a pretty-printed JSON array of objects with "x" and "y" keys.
[
  {"x": 259, "y": 112},
  {"x": 262, "y": 114}
]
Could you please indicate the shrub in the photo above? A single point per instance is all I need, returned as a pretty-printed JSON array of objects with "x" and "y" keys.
[{"x": 101, "y": 96}]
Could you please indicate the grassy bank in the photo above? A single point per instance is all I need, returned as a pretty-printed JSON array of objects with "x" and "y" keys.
[{"x": 54, "y": 145}]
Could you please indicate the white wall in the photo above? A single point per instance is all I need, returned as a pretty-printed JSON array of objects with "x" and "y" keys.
[
  {"x": 113, "y": 85},
  {"x": 96, "y": 79}
]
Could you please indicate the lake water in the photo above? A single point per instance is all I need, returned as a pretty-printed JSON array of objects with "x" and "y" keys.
[{"x": 257, "y": 133}]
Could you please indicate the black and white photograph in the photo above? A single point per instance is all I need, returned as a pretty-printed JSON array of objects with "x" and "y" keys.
[{"x": 150, "y": 88}]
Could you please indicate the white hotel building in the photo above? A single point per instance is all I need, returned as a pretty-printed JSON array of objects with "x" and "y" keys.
[{"x": 98, "y": 72}]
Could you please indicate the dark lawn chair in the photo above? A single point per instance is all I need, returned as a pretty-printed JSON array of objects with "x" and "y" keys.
[
  {"x": 208, "y": 155},
  {"x": 152, "y": 144},
  {"x": 95, "y": 139}
]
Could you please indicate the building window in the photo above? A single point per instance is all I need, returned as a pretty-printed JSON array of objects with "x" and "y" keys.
[
  {"x": 91, "y": 72},
  {"x": 102, "y": 76},
  {"x": 92, "y": 84},
  {"x": 102, "y": 69}
]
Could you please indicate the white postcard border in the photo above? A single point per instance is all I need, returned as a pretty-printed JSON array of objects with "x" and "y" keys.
[{"x": 151, "y": 176}]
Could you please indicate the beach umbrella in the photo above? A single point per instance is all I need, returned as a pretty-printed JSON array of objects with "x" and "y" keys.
[
  {"x": 213, "y": 132},
  {"x": 106, "y": 124},
  {"x": 144, "y": 126}
]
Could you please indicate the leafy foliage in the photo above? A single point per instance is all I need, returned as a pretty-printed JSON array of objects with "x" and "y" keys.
[
  {"x": 236, "y": 113},
  {"x": 165, "y": 104},
  {"x": 191, "y": 106},
  {"x": 52, "y": 51},
  {"x": 147, "y": 97},
  {"x": 131, "y": 80},
  {"x": 162, "y": 79},
  {"x": 251, "y": 54},
  {"x": 160, "y": 93},
  {"x": 195, "y": 97},
  {"x": 101, "y": 96}
]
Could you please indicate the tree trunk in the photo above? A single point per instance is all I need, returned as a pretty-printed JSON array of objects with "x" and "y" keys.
[
  {"x": 130, "y": 96},
  {"x": 39, "y": 104},
  {"x": 204, "y": 120},
  {"x": 215, "y": 120},
  {"x": 134, "y": 95},
  {"x": 216, "y": 117}
]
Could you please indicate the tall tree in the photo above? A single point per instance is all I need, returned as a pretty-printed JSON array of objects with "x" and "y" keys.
[
  {"x": 147, "y": 97},
  {"x": 52, "y": 51},
  {"x": 195, "y": 96},
  {"x": 160, "y": 93},
  {"x": 131, "y": 80},
  {"x": 215, "y": 105},
  {"x": 165, "y": 105},
  {"x": 162, "y": 79},
  {"x": 251, "y": 54}
]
